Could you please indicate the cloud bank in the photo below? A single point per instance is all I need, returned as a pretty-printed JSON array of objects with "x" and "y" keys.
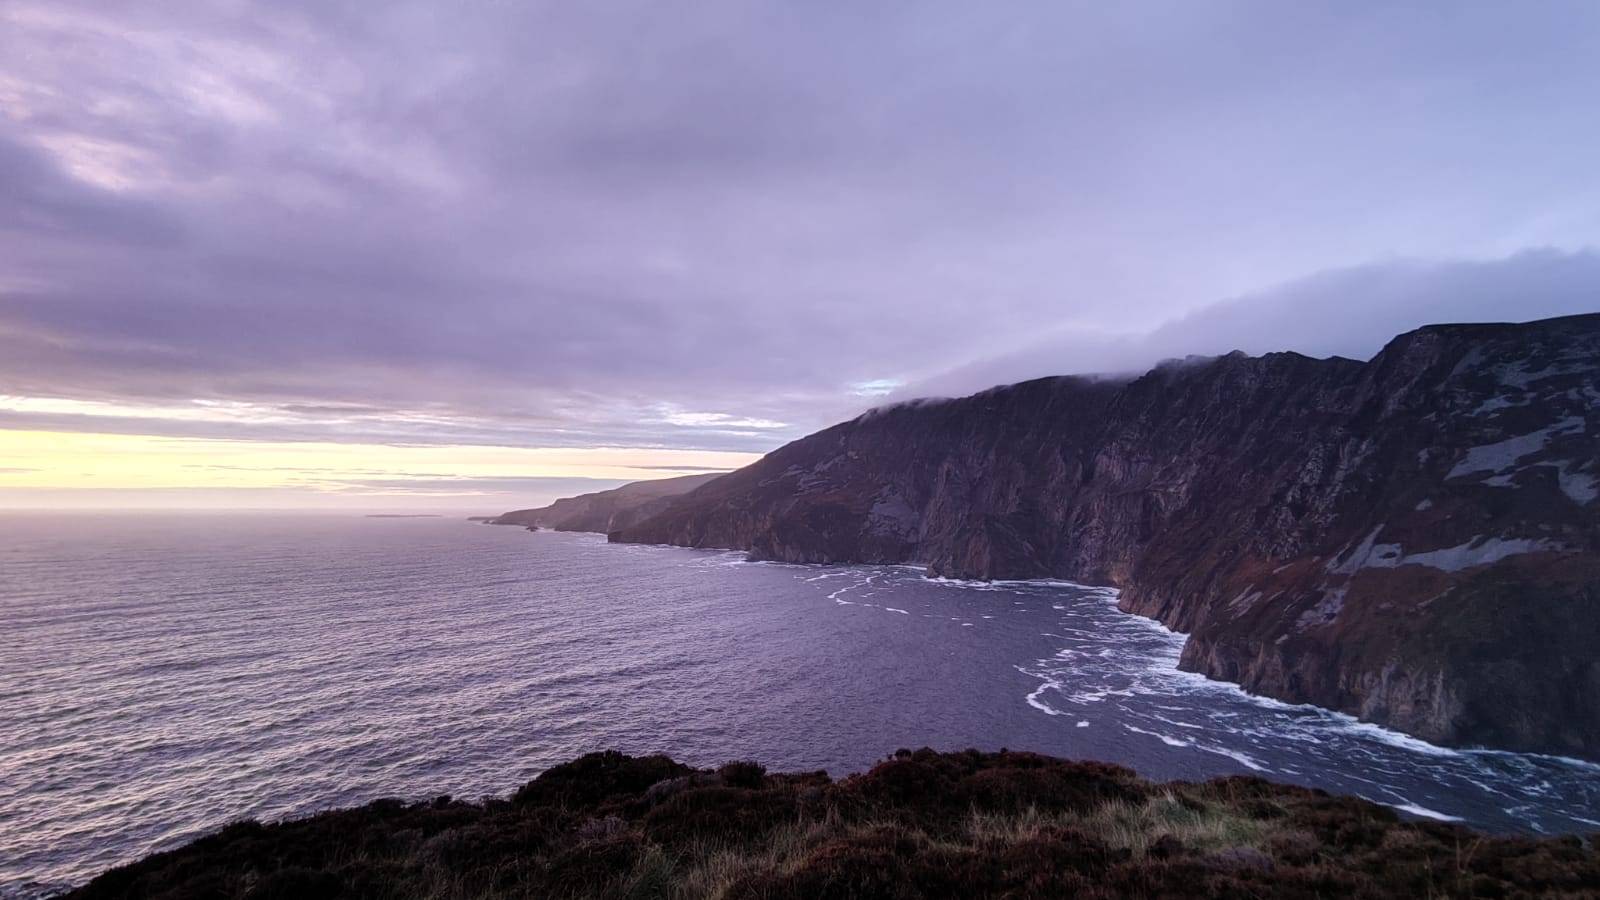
[
  {"x": 724, "y": 225},
  {"x": 1350, "y": 312}
]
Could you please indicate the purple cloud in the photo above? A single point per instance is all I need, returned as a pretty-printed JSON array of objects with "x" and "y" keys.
[{"x": 712, "y": 226}]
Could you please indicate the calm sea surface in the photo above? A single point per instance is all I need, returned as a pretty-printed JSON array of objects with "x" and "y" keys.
[{"x": 162, "y": 675}]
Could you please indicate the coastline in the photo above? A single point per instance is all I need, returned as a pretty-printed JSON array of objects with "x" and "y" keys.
[
  {"x": 1382, "y": 732},
  {"x": 1337, "y": 721},
  {"x": 986, "y": 652}
]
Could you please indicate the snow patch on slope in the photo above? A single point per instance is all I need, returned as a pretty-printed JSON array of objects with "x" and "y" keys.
[
  {"x": 1580, "y": 486},
  {"x": 1506, "y": 453},
  {"x": 1479, "y": 551}
]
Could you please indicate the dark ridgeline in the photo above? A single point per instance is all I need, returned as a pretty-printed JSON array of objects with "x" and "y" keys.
[
  {"x": 921, "y": 824},
  {"x": 1415, "y": 539},
  {"x": 605, "y": 511}
]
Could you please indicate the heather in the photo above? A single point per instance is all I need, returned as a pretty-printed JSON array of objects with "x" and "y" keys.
[{"x": 920, "y": 824}]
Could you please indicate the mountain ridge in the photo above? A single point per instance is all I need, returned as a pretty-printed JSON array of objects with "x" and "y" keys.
[
  {"x": 1413, "y": 539},
  {"x": 605, "y": 511}
]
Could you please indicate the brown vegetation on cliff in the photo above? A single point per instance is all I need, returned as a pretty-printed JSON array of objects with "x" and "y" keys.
[{"x": 918, "y": 825}]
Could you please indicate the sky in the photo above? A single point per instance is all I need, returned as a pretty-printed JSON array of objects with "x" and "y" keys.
[{"x": 475, "y": 255}]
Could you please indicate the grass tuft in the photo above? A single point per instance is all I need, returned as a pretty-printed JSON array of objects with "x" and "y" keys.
[{"x": 922, "y": 824}]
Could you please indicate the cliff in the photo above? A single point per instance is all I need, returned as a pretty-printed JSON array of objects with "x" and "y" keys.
[
  {"x": 921, "y": 824},
  {"x": 606, "y": 511},
  {"x": 1414, "y": 540}
]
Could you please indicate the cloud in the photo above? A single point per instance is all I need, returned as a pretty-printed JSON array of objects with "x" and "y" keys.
[
  {"x": 717, "y": 420},
  {"x": 496, "y": 489},
  {"x": 1350, "y": 312},
  {"x": 724, "y": 226},
  {"x": 682, "y": 468},
  {"x": 487, "y": 500}
]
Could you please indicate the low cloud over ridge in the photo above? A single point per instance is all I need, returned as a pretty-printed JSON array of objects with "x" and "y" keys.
[
  {"x": 721, "y": 228},
  {"x": 1350, "y": 312}
]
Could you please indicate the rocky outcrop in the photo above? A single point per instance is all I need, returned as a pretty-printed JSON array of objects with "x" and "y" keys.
[
  {"x": 1414, "y": 539},
  {"x": 606, "y": 511},
  {"x": 921, "y": 824}
]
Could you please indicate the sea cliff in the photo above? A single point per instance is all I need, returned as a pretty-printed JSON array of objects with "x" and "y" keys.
[
  {"x": 1414, "y": 539},
  {"x": 605, "y": 511}
]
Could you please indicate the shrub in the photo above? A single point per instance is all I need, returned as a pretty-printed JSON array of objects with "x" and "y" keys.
[{"x": 922, "y": 824}]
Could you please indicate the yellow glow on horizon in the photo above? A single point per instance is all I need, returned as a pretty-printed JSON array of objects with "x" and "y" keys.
[{"x": 68, "y": 460}]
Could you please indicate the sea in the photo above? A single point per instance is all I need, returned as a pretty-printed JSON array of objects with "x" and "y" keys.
[{"x": 164, "y": 674}]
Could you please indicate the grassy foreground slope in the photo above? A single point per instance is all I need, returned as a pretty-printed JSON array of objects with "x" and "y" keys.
[{"x": 920, "y": 824}]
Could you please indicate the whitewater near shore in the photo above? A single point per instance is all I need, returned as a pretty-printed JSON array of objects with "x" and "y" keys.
[{"x": 488, "y": 655}]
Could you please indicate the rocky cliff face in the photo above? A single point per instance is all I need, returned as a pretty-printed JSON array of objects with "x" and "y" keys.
[
  {"x": 1415, "y": 539},
  {"x": 606, "y": 511}
]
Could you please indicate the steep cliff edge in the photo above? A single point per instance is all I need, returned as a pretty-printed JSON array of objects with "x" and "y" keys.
[
  {"x": 606, "y": 511},
  {"x": 922, "y": 824},
  {"x": 1415, "y": 539}
]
